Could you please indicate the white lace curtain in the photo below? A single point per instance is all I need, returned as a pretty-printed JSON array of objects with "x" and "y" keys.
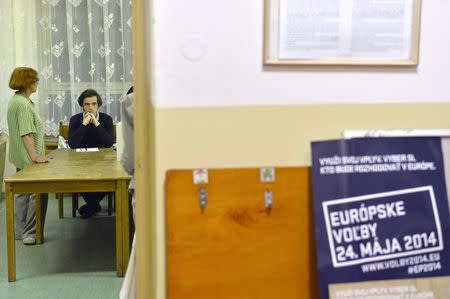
[{"x": 74, "y": 45}]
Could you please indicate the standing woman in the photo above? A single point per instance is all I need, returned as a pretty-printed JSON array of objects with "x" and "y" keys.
[{"x": 26, "y": 146}]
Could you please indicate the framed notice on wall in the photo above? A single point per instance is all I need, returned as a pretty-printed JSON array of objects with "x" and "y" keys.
[{"x": 351, "y": 32}]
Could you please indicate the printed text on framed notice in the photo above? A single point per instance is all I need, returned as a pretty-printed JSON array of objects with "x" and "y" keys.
[{"x": 350, "y": 32}]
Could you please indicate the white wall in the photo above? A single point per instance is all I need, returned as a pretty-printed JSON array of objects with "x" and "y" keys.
[{"x": 209, "y": 53}]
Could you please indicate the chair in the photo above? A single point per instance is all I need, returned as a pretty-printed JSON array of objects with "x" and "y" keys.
[
  {"x": 64, "y": 132},
  {"x": 3, "y": 142}
]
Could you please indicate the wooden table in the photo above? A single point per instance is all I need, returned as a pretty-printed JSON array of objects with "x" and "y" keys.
[{"x": 71, "y": 171}]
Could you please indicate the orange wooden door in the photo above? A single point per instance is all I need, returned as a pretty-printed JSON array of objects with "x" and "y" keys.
[{"x": 236, "y": 248}]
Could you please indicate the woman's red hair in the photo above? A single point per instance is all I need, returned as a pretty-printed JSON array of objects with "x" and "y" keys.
[{"x": 22, "y": 78}]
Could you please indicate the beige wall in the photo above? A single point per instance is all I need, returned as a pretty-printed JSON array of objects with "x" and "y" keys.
[{"x": 265, "y": 136}]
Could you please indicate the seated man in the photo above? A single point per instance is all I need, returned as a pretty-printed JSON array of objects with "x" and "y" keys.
[{"x": 90, "y": 129}]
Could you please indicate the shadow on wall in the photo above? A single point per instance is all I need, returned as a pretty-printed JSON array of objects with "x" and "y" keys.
[{"x": 3, "y": 141}]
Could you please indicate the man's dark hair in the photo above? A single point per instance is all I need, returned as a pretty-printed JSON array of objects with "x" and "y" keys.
[{"x": 87, "y": 94}]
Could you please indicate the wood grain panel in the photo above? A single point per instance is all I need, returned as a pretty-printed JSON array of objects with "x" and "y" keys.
[{"x": 236, "y": 248}]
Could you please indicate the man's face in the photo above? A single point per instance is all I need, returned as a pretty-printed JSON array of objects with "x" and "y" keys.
[{"x": 90, "y": 105}]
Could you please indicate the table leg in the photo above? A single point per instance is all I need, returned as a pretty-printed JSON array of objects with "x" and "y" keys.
[
  {"x": 60, "y": 198},
  {"x": 10, "y": 238},
  {"x": 125, "y": 202},
  {"x": 74, "y": 204},
  {"x": 44, "y": 205},
  {"x": 38, "y": 219},
  {"x": 119, "y": 241}
]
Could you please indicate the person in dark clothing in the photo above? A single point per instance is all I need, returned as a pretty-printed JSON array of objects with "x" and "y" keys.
[
  {"x": 131, "y": 90},
  {"x": 90, "y": 128}
]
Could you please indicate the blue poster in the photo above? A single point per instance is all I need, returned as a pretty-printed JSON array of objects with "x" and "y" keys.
[{"x": 381, "y": 213}]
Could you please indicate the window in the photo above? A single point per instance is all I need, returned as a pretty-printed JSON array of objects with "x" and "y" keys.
[{"x": 82, "y": 44}]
